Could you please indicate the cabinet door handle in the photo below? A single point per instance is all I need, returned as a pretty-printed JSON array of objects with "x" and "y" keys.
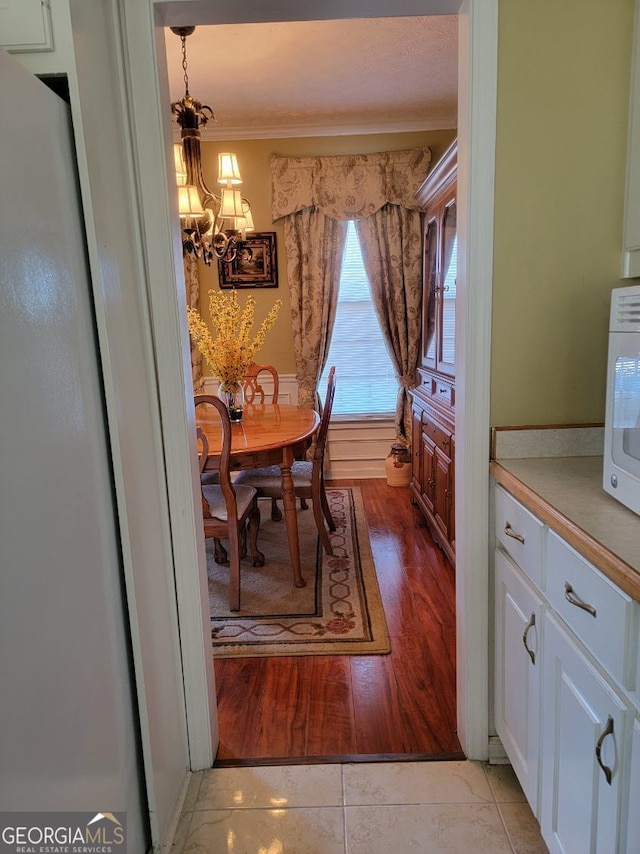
[
  {"x": 571, "y": 597},
  {"x": 525, "y": 635},
  {"x": 608, "y": 730},
  {"x": 511, "y": 533}
]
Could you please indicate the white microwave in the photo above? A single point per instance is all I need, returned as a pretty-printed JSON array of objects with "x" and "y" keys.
[{"x": 621, "y": 476}]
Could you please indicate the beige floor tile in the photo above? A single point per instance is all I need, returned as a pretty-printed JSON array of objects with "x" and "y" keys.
[
  {"x": 504, "y": 784},
  {"x": 441, "y": 828},
  {"x": 523, "y": 829},
  {"x": 271, "y": 786},
  {"x": 416, "y": 783},
  {"x": 256, "y": 831}
]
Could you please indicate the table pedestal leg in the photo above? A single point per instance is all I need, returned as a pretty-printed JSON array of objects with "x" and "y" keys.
[{"x": 291, "y": 520}]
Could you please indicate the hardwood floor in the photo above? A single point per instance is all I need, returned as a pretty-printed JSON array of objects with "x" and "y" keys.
[{"x": 324, "y": 708}]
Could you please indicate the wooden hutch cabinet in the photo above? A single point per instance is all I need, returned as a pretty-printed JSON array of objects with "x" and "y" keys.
[{"x": 433, "y": 439}]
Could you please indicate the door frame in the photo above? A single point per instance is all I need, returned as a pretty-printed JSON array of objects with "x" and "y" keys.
[{"x": 151, "y": 133}]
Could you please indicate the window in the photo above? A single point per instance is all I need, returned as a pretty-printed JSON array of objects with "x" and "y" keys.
[{"x": 365, "y": 379}]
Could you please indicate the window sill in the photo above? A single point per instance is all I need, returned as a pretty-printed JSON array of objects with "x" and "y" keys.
[{"x": 364, "y": 417}]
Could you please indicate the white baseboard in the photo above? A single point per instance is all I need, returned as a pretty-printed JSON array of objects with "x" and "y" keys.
[
  {"x": 356, "y": 449},
  {"x": 497, "y": 755}
]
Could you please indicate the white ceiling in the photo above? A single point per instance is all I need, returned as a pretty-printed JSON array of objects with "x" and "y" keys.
[{"x": 309, "y": 78}]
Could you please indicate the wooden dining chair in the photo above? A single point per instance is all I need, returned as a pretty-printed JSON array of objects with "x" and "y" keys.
[
  {"x": 253, "y": 389},
  {"x": 308, "y": 475},
  {"x": 253, "y": 393},
  {"x": 228, "y": 507}
]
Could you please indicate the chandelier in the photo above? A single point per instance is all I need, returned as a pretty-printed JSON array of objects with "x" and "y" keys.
[{"x": 213, "y": 226}]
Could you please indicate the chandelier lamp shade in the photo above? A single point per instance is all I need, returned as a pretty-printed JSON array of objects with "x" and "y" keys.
[{"x": 213, "y": 226}]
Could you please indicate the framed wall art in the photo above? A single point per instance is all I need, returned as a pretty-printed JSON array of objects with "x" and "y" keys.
[{"x": 255, "y": 265}]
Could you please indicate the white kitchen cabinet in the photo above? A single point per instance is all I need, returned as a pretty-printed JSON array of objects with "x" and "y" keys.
[
  {"x": 25, "y": 26},
  {"x": 520, "y": 534},
  {"x": 594, "y": 608},
  {"x": 583, "y": 756},
  {"x": 632, "y": 841},
  {"x": 518, "y": 660},
  {"x": 566, "y": 686}
]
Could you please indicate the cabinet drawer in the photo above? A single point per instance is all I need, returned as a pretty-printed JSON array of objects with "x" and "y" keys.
[
  {"x": 440, "y": 437},
  {"x": 426, "y": 385},
  {"x": 520, "y": 534},
  {"x": 444, "y": 393},
  {"x": 597, "y": 611}
]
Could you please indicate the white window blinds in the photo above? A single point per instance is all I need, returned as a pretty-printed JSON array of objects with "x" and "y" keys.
[{"x": 365, "y": 379}]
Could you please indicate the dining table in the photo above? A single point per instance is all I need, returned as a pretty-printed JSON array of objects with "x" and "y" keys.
[{"x": 268, "y": 434}]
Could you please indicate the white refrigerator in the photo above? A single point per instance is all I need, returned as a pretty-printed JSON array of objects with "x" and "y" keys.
[{"x": 69, "y": 730}]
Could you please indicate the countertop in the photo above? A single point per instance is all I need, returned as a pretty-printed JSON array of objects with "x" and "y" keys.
[{"x": 566, "y": 493}]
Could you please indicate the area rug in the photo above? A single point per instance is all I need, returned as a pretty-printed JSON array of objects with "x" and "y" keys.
[{"x": 339, "y": 612}]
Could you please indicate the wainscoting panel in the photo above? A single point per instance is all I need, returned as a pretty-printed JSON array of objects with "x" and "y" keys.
[
  {"x": 358, "y": 449},
  {"x": 287, "y": 391}
]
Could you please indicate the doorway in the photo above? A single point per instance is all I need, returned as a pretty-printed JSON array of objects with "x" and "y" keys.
[
  {"x": 476, "y": 133},
  {"x": 404, "y": 704}
]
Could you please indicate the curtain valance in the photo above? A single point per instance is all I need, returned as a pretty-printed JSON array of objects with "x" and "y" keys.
[{"x": 350, "y": 186}]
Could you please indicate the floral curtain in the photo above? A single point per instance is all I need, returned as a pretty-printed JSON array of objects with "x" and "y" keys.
[
  {"x": 314, "y": 248},
  {"x": 316, "y": 196},
  {"x": 192, "y": 283},
  {"x": 347, "y": 186},
  {"x": 391, "y": 244}
]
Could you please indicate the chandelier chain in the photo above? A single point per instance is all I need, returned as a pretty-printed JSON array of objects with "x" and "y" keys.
[{"x": 184, "y": 64}]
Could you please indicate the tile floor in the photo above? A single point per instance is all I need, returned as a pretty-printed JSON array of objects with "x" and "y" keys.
[{"x": 358, "y": 808}]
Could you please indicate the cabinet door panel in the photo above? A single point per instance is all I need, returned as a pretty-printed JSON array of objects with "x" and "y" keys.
[
  {"x": 633, "y": 804},
  {"x": 518, "y": 669},
  {"x": 427, "y": 468},
  {"x": 442, "y": 491},
  {"x": 579, "y": 807},
  {"x": 416, "y": 450}
]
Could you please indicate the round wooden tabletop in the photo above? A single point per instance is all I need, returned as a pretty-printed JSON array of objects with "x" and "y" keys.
[{"x": 263, "y": 427}]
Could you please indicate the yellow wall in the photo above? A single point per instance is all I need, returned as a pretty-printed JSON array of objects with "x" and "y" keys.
[
  {"x": 563, "y": 86},
  {"x": 253, "y": 157}
]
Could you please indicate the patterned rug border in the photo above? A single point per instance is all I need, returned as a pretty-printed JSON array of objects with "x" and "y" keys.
[{"x": 373, "y": 612}]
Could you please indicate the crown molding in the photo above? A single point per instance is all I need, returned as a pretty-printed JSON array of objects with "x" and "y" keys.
[{"x": 307, "y": 129}]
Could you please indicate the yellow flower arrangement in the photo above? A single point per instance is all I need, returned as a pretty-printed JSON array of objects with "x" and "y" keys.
[{"x": 232, "y": 350}]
